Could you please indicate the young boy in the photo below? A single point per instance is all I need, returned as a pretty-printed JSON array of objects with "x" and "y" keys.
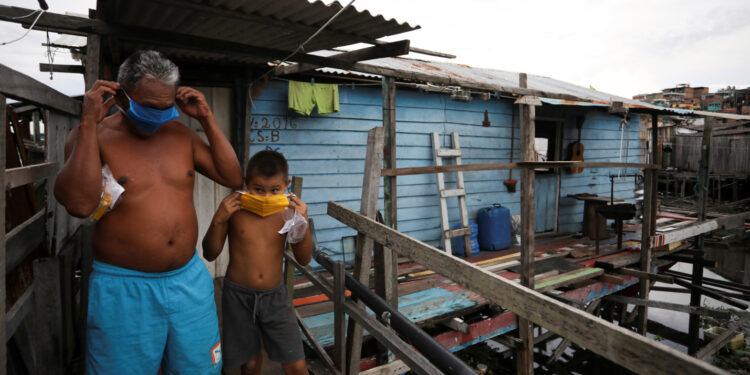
[{"x": 255, "y": 302}]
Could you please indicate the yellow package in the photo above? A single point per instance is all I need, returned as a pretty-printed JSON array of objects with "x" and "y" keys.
[{"x": 111, "y": 192}]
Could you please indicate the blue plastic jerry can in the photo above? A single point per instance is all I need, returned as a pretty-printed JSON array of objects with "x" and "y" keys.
[{"x": 494, "y": 228}]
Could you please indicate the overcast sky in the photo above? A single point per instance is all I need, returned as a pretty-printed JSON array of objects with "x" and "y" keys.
[{"x": 619, "y": 47}]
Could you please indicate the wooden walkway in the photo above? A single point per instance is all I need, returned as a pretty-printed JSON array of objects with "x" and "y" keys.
[{"x": 429, "y": 299}]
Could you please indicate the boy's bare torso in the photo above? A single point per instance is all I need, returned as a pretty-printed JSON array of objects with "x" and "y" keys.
[
  {"x": 256, "y": 250},
  {"x": 154, "y": 227}
]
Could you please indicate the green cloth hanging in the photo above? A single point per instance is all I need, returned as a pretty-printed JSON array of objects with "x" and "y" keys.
[{"x": 304, "y": 96}]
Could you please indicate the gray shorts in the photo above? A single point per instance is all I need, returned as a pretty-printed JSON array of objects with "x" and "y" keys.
[{"x": 249, "y": 314}]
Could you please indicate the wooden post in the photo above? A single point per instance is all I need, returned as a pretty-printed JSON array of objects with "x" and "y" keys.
[
  {"x": 648, "y": 225},
  {"x": 3, "y": 119},
  {"x": 35, "y": 121},
  {"x": 48, "y": 315},
  {"x": 363, "y": 252},
  {"x": 389, "y": 259},
  {"x": 288, "y": 266},
  {"x": 704, "y": 170},
  {"x": 93, "y": 52},
  {"x": 339, "y": 319},
  {"x": 525, "y": 356},
  {"x": 648, "y": 177},
  {"x": 246, "y": 122}
]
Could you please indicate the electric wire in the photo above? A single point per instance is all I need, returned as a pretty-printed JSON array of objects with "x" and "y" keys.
[
  {"x": 41, "y": 11},
  {"x": 301, "y": 47}
]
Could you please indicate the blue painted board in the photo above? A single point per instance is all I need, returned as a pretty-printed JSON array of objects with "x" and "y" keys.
[{"x": 418, "y": 306}]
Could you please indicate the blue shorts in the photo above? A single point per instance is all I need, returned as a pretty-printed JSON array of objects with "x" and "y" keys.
[{"x": 139, "y": 322}]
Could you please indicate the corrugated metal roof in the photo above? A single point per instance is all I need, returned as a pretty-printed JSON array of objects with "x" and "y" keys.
[
  {"x": 277, "y": 24},
  {"x": 482, "y": 78}
]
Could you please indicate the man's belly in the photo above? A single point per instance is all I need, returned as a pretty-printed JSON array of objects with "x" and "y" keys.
[{"x": 153, "y": 232}]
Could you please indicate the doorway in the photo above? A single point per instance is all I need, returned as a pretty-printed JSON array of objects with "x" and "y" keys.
[{"x": 548, "y": 147}]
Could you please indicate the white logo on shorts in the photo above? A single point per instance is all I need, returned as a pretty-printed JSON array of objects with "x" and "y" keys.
[{"x": 216, "y": 353}]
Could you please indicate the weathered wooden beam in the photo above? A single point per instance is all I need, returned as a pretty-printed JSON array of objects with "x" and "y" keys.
[
  {"x": 339, "y": 319},
  {"x": 383, "y": 334},
  {"x": 720, "y": 314},
  {"x": 61, "y": 68},
  {"x": 23, "y": 239},
  {"x": 697, "y": 260},
  {"x": 393, "y": 368},
  {"x": 690, "y": 231},
  {"x": 719, "y": 342},
  {"x": 457, "y": 324},
  {"x": 505, "y": 166},
  {"x": 20, "y": 176},
  {"x": 389, "y": 259},
  {"x": 319, "y": 350},
  {"x": 646, "y": 275},
  {"x": 21, "y": 87},
  {"x": 288, "y": 267},
  {"x": 710, "y": 293},
  {"x": 375, "y": 52},
  {"x": 624, "y": 259},
  {"x": 525, "y": 356},
  {"x": 704, "y": 171},
  {"x": 647, "y": 226},
  {"x": 615, "y": 343},
  {"x": 612, "y": 279},
  {"x": 569, "y": 278},
  {"x": 363, "y": 252},
  {"x": 591, "y": 308},
  {"x": 93, "y": 60},
  {"x": 18, "y": 312}
]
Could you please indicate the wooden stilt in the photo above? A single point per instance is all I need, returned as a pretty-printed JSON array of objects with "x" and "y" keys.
[
  {"x": 648, "y": 225},
  {"x": 339, "y": 325},
  {"x": 525, "y": 356},
  {"x": 704, "y": 169},
  {"x": 93, "y": 53},
  {"x": 389, "y": 271},
  {"x": 363, "y": 252},
  {"x": 288, "y": 266}
]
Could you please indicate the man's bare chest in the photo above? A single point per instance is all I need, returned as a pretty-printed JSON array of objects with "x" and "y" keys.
[{"x": 141, "y": 164}]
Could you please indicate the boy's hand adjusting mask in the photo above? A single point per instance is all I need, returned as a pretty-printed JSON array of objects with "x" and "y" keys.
[{"x": 263, "y": 206}]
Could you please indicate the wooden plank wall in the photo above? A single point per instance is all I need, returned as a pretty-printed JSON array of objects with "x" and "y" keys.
[
  {"x": 729, "y": 153},
  {"x": 207, "y": 195},
  {"x": 328, "y": 152},
  {"x": 600, "y": 136}
]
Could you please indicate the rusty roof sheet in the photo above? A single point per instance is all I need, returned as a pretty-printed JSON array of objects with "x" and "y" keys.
[
  {"x": 465, "y": 75},
  {"x": 277, "y": 24}
]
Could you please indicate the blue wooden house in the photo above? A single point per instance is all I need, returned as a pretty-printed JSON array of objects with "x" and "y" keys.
[{"x": 328, "y": 151}]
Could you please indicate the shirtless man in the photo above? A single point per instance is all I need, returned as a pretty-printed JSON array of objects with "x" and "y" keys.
[{"x": 151, "y": 303}]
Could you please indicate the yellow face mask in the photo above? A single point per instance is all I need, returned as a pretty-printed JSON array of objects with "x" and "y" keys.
[{"x": 263, "y": 206}]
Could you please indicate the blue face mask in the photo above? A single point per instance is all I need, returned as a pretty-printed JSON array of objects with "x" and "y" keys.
[{"x": 146, "y": 119}]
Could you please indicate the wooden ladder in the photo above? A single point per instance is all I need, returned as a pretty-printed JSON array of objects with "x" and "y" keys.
[{"x": 446, "y": 232}]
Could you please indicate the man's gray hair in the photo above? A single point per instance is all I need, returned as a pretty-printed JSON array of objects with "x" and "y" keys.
[{"x": 147, "y": 63}]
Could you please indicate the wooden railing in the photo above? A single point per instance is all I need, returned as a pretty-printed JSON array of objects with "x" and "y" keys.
[
  {"x": 624, "y": 347},
  {"x": 44, "y": 297}
]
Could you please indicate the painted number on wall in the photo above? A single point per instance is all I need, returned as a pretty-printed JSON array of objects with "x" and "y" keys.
[{"x": 265, "y": 129}]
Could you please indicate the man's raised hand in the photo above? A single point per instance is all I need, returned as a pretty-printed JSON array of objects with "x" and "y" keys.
[
  {"x": 193, "y": 103},
  {"x": 95, "y": 108}
]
